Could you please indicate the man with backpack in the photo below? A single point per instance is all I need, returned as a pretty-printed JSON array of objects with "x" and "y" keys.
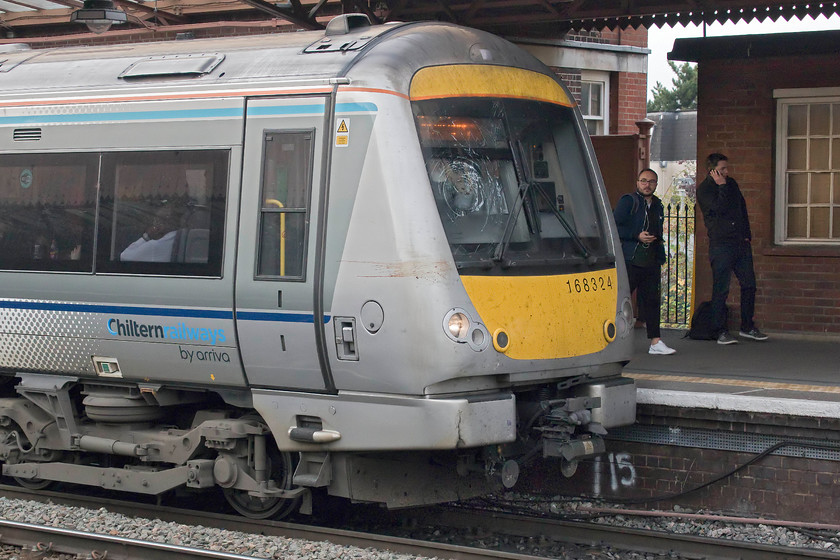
[
  {"x": 640, "y": 217},
  {"x": 730, "y": 250}
]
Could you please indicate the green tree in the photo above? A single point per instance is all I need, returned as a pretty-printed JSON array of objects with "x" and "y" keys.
[{"x": 683, "y": 96}]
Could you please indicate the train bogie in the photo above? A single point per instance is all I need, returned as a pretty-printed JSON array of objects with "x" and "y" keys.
[{"x": 377, "y": 262}]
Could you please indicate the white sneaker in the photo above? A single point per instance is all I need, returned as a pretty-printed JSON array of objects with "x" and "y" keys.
[{"x": 660, "y": 348}]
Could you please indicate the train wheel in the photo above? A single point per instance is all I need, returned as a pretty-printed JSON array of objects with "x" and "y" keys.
[
  {"x": 34, "y": 483},
  {"x": 281, "y": 470}
]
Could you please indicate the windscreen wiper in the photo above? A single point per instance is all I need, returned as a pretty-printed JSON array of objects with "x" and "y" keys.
[
  {"x": 572, "y": 233},
  {"x": 524, "y": 187},
  {"x": 499, "y": 253}
]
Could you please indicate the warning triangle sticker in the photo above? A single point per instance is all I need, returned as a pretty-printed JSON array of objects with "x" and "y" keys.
[{"x": 342, "y": 127}]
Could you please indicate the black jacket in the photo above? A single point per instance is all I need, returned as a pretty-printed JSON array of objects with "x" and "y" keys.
[
  {"x": 629, "y": 216},
  {"x": 724, "y": 212}
]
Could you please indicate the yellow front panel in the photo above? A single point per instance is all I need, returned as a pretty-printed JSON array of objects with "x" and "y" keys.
[
  {"x": 547, "y": 317},
  {"x": 481, "y": 80}
]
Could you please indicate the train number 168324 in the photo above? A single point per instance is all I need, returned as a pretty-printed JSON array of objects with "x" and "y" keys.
[{"x": 584, "y": 284}]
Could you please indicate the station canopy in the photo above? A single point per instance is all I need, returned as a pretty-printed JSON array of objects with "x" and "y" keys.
[{"x": 23, "y": 19}]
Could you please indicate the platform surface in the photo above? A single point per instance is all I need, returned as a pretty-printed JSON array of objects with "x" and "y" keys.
[{"x": 784, "y": 374}]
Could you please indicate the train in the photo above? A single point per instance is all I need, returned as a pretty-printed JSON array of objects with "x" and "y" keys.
[{"x": 371, "y": 262}]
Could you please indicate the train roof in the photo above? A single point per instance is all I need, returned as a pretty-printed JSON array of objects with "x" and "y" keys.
[{"x": 379, "y": 56}]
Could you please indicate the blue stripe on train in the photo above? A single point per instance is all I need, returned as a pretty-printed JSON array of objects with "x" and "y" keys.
[
  {"x": 232, "y": 112},
  {"x": 282, "y": 317}
]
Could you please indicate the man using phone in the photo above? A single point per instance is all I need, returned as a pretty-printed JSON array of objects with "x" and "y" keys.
[
  {"x": 730, "y": 250},
  {"x": 640, "y": 217}
]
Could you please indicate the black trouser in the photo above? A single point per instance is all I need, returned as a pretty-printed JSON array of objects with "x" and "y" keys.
[
  {"x": 725, "y": 260},
  {"x": 646, "y": 280}
]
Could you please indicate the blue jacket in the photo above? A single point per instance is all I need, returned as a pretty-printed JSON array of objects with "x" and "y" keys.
[{"x": 629, "y": 216}]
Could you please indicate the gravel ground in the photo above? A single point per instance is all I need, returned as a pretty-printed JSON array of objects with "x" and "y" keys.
[
  {"x": 679, "y": 521},
  {"x": 104, "y": 522}
]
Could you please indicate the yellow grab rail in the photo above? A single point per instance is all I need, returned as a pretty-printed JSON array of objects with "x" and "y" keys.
[{"x": 278, "y": 204}]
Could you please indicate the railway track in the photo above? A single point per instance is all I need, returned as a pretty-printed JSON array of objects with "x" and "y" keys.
[{"x": 575, "y": 537}]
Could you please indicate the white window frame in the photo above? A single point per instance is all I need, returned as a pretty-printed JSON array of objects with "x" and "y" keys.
[
  {"x": 603, "y": 79},
  {"x": 784, "y": 99}
]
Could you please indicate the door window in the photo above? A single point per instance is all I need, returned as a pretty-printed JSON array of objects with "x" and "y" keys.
[{"x": 284, "y": 212}]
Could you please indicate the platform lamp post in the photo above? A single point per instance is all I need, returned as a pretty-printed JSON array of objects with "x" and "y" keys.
[{"x": 99, "y": 15}]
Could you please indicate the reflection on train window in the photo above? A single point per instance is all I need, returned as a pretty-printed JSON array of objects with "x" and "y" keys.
[
  {"x": 163, "y": 212},
  {"x": 47, "y": 212},
  {"x": 511, "y": 182},
  {"x": 286, "y": 181},
  {"x": 474, "y": 196}
]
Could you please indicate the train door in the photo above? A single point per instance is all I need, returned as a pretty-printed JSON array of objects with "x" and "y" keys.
[{"x": 281, "y": 177}]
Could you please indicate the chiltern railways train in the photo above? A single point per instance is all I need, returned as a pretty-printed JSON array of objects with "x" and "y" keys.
[{"x": 377, "y": 261}]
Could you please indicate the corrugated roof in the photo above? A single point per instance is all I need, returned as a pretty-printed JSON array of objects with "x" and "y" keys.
[
  {"x": 521, "y": 18},
  {"x": 674, "y": 136}
]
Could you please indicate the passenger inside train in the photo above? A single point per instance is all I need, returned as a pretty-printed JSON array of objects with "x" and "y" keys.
[{"x": 157, "y": 242}]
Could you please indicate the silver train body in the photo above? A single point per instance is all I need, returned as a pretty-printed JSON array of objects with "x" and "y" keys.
[{"x": 378, "y": 261}]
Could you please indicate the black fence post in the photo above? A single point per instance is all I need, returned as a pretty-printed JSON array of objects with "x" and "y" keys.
[{"x": 677, "y": 273}]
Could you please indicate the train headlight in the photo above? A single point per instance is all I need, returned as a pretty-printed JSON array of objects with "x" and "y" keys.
[
  {"x": 457, "y": 325},
  {"x": 626, "y": 317}
]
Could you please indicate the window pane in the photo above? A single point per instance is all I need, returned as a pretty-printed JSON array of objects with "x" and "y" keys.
[
  {"x": 835, "y": 153},
  {"x": 819, "y": 153},
  {"x": 835, "y": 119},
  {"x": 820, "y": 119},
  {"x": 282, "y": 237},
  {"x": 821, "y": 188},
  {"x": 835, "y": 218},
  {"x": 286, "y": 181},
  {"x": 811, "y": 138},
  {"x": 164, "y": 212},
  {"x": 819, "y": 222},
  {"x": 798, "y": 188},
  {"x": 595, "y": 100},
  {"x": 585, "y": 93},
  {"x": 591, "y": 95},
  {"x": 797, "y": 150},
  {"x": 797, "y": 222},
  {"x": 835, "y": 181},
  {"x": 797, "y": 120},
  {"x": 47, "y": 209},
  {"x": 286, "y": 169}
]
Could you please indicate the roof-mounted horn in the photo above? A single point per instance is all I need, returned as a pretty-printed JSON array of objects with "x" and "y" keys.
[{"x": 345, "y": 23}]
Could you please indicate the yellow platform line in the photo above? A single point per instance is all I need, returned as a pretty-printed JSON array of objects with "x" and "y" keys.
[{"x": 736, "y": 382}]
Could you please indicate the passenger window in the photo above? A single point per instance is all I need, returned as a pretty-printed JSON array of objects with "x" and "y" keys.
[
  {"x": 286, "y": 180},
  {"x": 163, "y": 212},
  {"x": 47, "y": 211}
]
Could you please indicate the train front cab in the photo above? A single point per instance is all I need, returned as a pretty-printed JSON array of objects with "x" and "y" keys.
[{"x": 518, "y": 193}]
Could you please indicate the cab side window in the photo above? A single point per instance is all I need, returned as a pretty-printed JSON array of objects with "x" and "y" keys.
[
  {"x": 47, "y": 211},
  {"x": 162, "y": 212},
  {"x": 284, "y": 212}
]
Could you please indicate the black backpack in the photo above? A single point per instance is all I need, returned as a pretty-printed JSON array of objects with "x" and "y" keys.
[{"x": 702, "y": 322}]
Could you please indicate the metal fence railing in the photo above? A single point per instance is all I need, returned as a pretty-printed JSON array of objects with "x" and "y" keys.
[{"x": 678, "y": 272}]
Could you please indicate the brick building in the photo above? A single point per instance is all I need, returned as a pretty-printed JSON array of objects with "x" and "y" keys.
[
  {"x": 605, "y": 70},
  {"x": 771, "y": 103}
]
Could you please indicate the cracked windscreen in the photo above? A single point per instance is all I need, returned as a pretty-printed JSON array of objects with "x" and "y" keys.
[{"x": 511, "y": 184}]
